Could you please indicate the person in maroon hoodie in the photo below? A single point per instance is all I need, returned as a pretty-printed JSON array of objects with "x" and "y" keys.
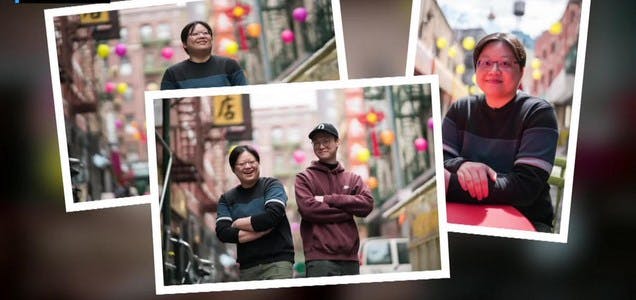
[{"x": 328, "y": 198}]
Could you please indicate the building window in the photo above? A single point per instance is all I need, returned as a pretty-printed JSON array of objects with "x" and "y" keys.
[
  {"x": 125, "y": 67},
  {"x": 163, "y": 31},
  {"x": 146, "y": 33},
  {"x": 123, "y": 34}
]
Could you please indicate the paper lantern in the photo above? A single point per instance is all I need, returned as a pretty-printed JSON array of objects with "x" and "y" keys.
[
  {"x": 387, "y": 137},
  {"x": 556, "y": 28},
  {"x": 430, "y": 123},
  {"x": 300, "y": 14},
  {"x": 536, "y": 63},
  {"x": 231, "y": 47},
  {"x": 460, "y": 69},
  {"x": 103, "y": 50},
  {"x": 299, "y": 156},
  {"x": 372, "y": 118},
  {"x": 363, "y": 155},
  {"x": 287, "y": 36},
  {"x": 441, "y": 42},
  {"x": 167, "y": 53},
  {"x": 468, "y": 43},
  {"x": 122, "y": 88},
  {"x": 119, "y": 124},
  {"x": 452, "y": 52},
  {"x": 372, "y": 183},
  {"x": 238, "y": 12},
  {"x": 120, "y": 50},
  {"x": 421, "y": 144},
  {"x": 254, "y": 30},
  {"x": 474, "y": 79},
  {"x": 110, "y": 87},
  {"x": 536, "y": 74}
]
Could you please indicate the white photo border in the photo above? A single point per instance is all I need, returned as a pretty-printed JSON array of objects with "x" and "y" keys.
[
  {"x": 562, "y": 236},
  {"x": 443, "y": 272},
  {"x": 50, "y": 14}
]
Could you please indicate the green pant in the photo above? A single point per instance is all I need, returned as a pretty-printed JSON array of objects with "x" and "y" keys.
[
  {"x": 275, "y": 270},
  {"x": 317, "y": 268}
]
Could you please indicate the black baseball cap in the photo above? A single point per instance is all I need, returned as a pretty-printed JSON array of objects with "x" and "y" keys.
[{"x": 324, "y": 127}]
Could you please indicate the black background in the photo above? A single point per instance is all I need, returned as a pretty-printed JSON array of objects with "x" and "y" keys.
[{"x": 107, "y": 254}]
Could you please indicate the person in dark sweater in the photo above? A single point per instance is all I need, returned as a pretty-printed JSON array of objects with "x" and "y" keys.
[
  {"x": 201, "y": 69},
  {"x": 252, "y": 215},
  {"x": 499, "y": 147},
  {"x": 328, "y": 198}
]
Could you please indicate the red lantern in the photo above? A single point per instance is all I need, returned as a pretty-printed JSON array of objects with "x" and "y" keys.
[
  {"x": 299, "y": 156},
  {"x": 287, "y": 36}
]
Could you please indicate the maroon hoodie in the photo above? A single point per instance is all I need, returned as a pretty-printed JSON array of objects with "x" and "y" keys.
[{"x": 327, "y": 228}]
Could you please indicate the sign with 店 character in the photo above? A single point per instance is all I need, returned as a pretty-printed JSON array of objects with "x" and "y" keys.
[
  {"x": 228, "y": 110},
  {"x": 95, "y": 18}
]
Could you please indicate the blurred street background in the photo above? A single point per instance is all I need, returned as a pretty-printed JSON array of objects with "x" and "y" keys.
[
  {"x": 106, "y": 254},
  {"x": 107, "y": 60}
]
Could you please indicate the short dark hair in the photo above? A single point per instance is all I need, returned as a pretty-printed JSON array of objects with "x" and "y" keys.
[
  {"x": 509, "y": 39},
  {"x": 187, "y": 30},
  {"x": 238, "y": 150}
]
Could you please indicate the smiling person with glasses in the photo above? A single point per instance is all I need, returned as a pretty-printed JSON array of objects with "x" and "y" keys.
[
  {"x": 252, "y": 215},
  {"x": 499, "y": 147},
  {"x": 201, "y": 69},
  {"x": 328, "y": 198}
]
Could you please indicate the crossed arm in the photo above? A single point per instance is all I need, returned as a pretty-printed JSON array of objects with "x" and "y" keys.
[{"x": 332, "y": 208}]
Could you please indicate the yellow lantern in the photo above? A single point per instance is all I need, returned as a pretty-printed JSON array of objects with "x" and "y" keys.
[
  {"x": 556, "y": 28},
  {"x": 103, "y": 50},
  {"x": 372, "y": 118},
  {"x": 231, "y": 48},
  {"x": 460, "y": 69},
  {"x": 254, "y": 30},
  {"x": 441, "y": 42},
  {"x": 469, "y": 43},
  {"x": 122, "y": 88},
  {"x": 536, "y": 74},
  {"x": 536, "y": 63},
  {"x": 452, "y": 52},
  {"x": 238, "y": 11},
  {"x": 474, "y": 79},
  {"x": 363, "y": 155}
]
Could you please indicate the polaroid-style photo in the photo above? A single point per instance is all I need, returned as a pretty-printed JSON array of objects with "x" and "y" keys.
[
  {"x": 104, "y": 56},
  {"x": 510, "y": 76},
  {"x": 298, "y": 184}
]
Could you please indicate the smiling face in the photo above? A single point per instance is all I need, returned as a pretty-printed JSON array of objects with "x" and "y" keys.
[
  {"x": 498, "y": 73},
  {"x": 247, "y": 169},
  {"x": 325, "y": 147},
  {"x": 199, "y": 41}
]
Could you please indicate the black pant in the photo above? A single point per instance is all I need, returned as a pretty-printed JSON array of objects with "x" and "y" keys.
[{"x": 317, "y": 268}]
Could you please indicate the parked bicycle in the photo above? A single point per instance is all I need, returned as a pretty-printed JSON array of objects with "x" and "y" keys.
[{"x": 196, "y": 269}]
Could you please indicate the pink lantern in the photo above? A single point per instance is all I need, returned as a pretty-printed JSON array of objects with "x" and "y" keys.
[
  {"x": 120, "y": 50},
  {"x": 167, "y": 53},
  {"x": 119, "y": 124},
  {"x": 110, "y": 87},
  {"x": 300, "y": 14},
  {"x": 299, "y": 156},
  {"x": 430, "y": 123},
  {"x": 421, "y": 144},
  {"x": 287, "y": 36}
]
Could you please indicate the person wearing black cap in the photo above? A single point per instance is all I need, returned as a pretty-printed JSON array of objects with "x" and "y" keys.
[{"x": 328, "y": 197}]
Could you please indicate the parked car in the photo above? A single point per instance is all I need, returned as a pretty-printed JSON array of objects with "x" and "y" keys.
[{"x": 384, "y": 255}]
